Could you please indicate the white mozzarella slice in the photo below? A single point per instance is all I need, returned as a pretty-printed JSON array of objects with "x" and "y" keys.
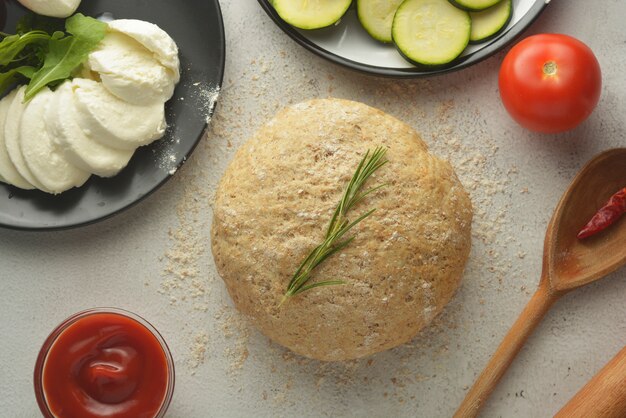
[
  {"x": 154, "y": 39},
  {"x": 8, "y": 172},
  {"x": 114, "y": 122},
  {"x": 130, "y": 72},
  {"x": 5, "y": 161},
  {"x": 53, "y": 8},
  {"x": 12, "y": 138},
  {"x": 79, "y": 149},
  {"x": 46, "y": 162}
]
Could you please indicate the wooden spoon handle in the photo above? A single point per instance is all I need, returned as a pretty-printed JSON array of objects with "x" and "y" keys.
[
  {"x": 604, "y": 396},
  {"x": 528, "y": 320}
]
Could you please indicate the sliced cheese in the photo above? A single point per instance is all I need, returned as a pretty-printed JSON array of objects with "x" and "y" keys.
[
  {"x": 154, "y": 39},
  {"x": 114, "y": 122},
  {"x": 5, "y": 161},
  {"x": 53, "y": 8},
  {"x": 45, "y": 161},
  {"x": 79, "y": 149},
  {"x": 130, "y": 71},
  {"x": 8, "y": 172},
  {"x": 12, "y": 138}
]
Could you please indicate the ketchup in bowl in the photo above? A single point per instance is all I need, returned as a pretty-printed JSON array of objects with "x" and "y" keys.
[{"x": 104, "y": 363}]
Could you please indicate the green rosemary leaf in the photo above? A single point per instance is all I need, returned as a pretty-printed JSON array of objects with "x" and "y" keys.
[
  {"x": 354, "y": 223},
  {"x": 336, "y": 249},
  {"x": 304, "y": 264},
  {"x": 370, "y": 191},
  {"x": 339, "y": 225},
  {"x": 333, "y": 220}
]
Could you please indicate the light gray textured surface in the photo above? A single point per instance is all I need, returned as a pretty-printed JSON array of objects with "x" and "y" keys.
[{"x": 141, "y": 260}]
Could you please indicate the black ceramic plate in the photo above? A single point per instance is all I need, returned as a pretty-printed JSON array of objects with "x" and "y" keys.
[
  {"x": 197, "y": 28},
  {"x": 349, "y": 45}
]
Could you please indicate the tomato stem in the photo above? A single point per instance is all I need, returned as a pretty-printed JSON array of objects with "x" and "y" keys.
[{"x": 550, "y": 68}]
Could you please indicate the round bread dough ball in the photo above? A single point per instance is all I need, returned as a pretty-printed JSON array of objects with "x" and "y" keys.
[{"x": 273, "y": 206}]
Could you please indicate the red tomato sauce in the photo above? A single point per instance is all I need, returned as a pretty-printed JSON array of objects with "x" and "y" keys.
[{"x": 105, "y": 365}]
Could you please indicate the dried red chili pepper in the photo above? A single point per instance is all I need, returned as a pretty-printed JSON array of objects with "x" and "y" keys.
[{"x": 606, "y": 216}]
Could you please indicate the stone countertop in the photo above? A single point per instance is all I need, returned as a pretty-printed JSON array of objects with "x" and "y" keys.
[{"x": 155, "y": 258}]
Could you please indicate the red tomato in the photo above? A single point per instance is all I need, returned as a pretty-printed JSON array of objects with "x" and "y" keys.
[{"x": 550, "y": 83}]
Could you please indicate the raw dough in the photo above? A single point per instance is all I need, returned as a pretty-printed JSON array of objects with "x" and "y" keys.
[{"x": 274, "y": 204}]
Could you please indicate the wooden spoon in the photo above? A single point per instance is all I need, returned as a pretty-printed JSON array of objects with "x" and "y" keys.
[{"x": 568, "y": 263}]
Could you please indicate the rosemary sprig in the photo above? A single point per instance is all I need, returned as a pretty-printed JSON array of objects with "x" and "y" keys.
[{"x": 339, "y": 225}]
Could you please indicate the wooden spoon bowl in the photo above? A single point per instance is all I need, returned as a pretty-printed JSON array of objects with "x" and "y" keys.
[
  {"x": 568, "y": 263},
  {"x": 571, "y": 262}
]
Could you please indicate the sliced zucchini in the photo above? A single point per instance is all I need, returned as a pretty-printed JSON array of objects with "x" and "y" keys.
[
  {"x": 474, "y": 5},
  {"x": 489, "y": 23},
  {"x": 430, "y": 32},
  {"x": 311, "y": 14},
  {"x": 376, "y": 17}
]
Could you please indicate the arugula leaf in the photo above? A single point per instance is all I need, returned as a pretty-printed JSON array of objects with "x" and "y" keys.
[
  {"x": 12, "y": 45},
  {"x": 88, "y": 28},
  {"x": 25, "y": 24},
  {"x": 32, "y": 21},
  {"x": 66, "y": 54},
  {"x": 8, "y": 78},
  {"x": 45, "y": 55}
]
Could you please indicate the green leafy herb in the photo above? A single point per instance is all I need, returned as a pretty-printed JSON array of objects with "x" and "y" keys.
[
  {"x": 67, "y": 53},
  {"x": 339, "y": 225},
  {"x": 8, "y": 78},
  {"x": 32, "y": 21},
  {"x": 13, "y": 45},
  {"x": 44, "y": 55}
]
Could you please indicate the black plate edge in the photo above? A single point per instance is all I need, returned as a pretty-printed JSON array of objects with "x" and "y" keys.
[
  {"x": 157, "y": 186},
  {"x": 504, "y": 40}
]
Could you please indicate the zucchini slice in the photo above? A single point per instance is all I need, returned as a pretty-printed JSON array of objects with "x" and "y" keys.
[
  {"x": 430, "y": 32},
  {"x": 376, "y": 17},
  {"x": 311, "y": 14},
  {"x": 474, "y": 5},
  {"x": 489, "y": 23}
]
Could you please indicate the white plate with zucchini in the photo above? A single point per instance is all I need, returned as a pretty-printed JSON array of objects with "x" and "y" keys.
[{"x": 403, "y": 38}]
